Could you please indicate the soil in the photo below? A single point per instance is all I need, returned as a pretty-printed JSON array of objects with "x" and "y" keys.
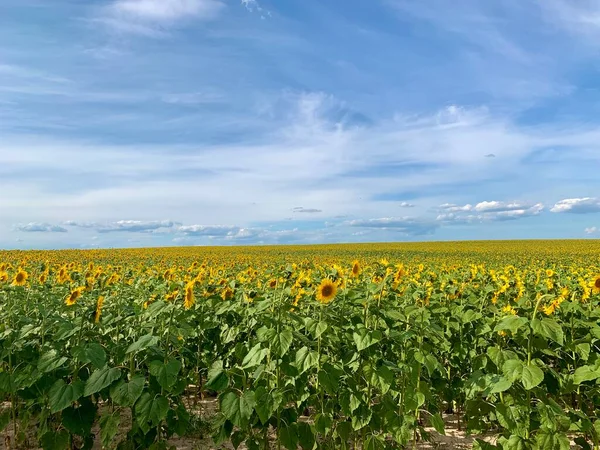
[{"x": 204, "y": 410}]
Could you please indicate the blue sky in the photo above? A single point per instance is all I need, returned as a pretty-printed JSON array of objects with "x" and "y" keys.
[{"x": 198, "y": 122}]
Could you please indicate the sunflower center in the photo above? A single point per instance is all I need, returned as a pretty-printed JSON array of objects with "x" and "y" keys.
[
  {"x": 20, "y": 277},
  {"x": 597, "y": 283},
  {"x": 327, "y": 291},
  {"x": 355, "y": 270}
]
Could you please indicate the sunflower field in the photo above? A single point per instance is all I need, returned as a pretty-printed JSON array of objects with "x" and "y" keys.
[{"x": 308, "y": 347}]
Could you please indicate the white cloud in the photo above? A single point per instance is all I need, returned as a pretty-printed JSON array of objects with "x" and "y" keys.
[
  {"x": 592, "y": 230},
  {"x": 152, "y": 17},
  {"x": 406, "y": 205},
  {"x": 583, "y": 205},
  {"x": 209, "y": 231},
  {"x": 489, "y": 211},
  {"x": 301, "y": 209},
  {"x": 131, "y": 226},
  {"x": 406, "y": 225},
  {"x": 37, "y": 227}
]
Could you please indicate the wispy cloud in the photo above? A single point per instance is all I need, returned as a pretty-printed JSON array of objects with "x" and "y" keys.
[
  {"x": 155, "y": 17},
  {"x": 488, "y": 211},
  {"x": 406, "y": 205},
  {"x": 39, "y": 227},
  {"x": 302, "y": 210},
  {"x": 406, "y": 225},
  {"x": 592, "y": 230},
  {"x": 585, "y": 205},
  {"x": 129, "y": 226}
]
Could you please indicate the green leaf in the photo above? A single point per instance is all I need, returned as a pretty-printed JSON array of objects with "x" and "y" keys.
[
  {"x": 142, "y": 343},
  {"x": 100, "y": 379},
  {"x": 166, "y": 374},
  {"x": 306, "y": 437},
  {"x": 282, "y": 342},
  {"x": 217, "y": 377},
  {"x": 380, "y": 377},
  {"x": 126, "y": 393},
  {"x": 516, "y": 443},
  {"x": 238, "y": 409},
  {"x": 583, "y": 350},
  {"x": 92, "y": 353},
  {"x": 80, "y": 420},
  {"x": 438, "y": 424},
  {"x": 586, "y": 373},
  {"x": 512, "y": 369},
  {"x": 306, "y": 359},
  {"x": 109, "y": 427},
  {"x": 548, "y": 328},
  {"x": 511, "y": 323},
  {"x": 56, "y": 440},
  {"x": 50, "y": 361},
  {"x": 288, "y": 436},
  {"x": 264, "y": 404},
  {"x": 552, "y": 441},
  {"x": 320, "y": 329},
  {"x": 63, "y": 395},
  {"x": 364, "y": 338},
  {"x": 151, "y": 409},
  {"x": 254, "y": 356},
  {"x": 532, "y": 376},
  {"x": 329, "y": 378},
  {"x": 500, "y": 385},
  {"x": 506, "y": 417}
]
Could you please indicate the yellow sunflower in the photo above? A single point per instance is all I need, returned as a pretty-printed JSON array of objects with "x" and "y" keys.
[
  {"x": 20, "y": 278},
  {"x": 356, "y": 269},
  {"x": 99, "y": 308},
  {"x": 189, "y": 300},
  {"x": 74, "y": 295},
  {"x": 3, "y": 277},
  {"x": 596, "y": 285},
  {"x": 326, "y": 291}
]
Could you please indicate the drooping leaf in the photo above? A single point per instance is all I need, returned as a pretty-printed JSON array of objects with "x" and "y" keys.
[
  {"x": 142, "y": 343},
  {"x": 125, "y": 393},
  {"x": 165, "y": 373},
  {"x": 62, "y": 395},
  {"x": 100, "y": 379}
]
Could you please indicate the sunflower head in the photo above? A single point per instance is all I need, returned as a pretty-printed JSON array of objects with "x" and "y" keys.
[
  {"x": 356, "y": 268},
  {"x": 326, "y": 291},
  {"x": 20, "y": 278},
  {"x": 74, "y": 295},
  {"x": 272, "y": 283},
  {"x": 596, "y": 285},
  {"x": 189, "y": 300}
]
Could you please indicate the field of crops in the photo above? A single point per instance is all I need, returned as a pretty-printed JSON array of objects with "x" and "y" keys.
[{"x": 329, "y": 347}]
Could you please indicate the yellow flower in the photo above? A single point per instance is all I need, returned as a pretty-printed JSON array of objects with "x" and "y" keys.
[
  {"x": 74, "y": 295},
  {"x": 326, "y": 291},
  {"x": 20, "y": 278},
  {"x": 99, "y": 308},
  {"x": 596, "y": 285},
  {"x": 356, "y": 268},
  {"x": 509, "y": 310},
  {"x": 3, "y": 277},
  {"x": 549, "y": 273},
  {"x": 227, "y": 293},
  {"x": 189, "y": 296}
]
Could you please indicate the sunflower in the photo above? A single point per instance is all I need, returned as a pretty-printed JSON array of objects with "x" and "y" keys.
[
  {"x": 227, "y": 293},
  {"x": 74, "y": 295},
  {"x": 43, "y": 277},
  {"x": 596, "y": 285},
  {"x": 20, "y": 278},
  {"x": 189, "y": 300},
  {"x": 326, "y": 291},
  {"x": 3, "y": 277},
  {"x": 99, "y": 308},
  {"x": 356, "y": 268},
  {"x": 272, "y": 283}
]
